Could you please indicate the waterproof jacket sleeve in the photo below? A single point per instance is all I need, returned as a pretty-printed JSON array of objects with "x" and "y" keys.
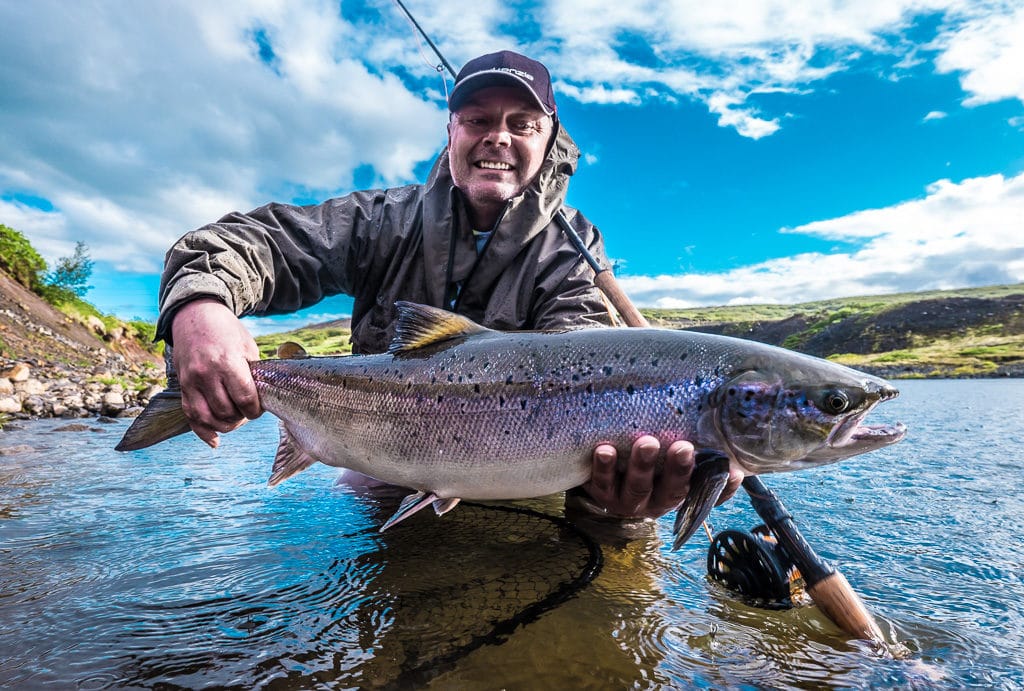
[{"x": 275, "y": 259}]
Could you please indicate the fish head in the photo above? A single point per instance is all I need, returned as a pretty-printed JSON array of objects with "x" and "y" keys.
[{"x": 808, "y": 412}]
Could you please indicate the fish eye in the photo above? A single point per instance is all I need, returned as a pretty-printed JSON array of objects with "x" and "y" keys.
[{"x": 835, "y": 401}]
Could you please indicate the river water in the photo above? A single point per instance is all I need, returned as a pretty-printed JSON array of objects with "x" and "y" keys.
[{"x": 175, "y": 567}]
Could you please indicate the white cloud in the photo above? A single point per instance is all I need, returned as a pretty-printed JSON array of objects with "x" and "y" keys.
[
  {"x": 987, "y": 49},
  {"x": 935, "y": 115},
  {"x": 959, "y": 234},
  {"x": 721, "y": 54},
  {"x": 140, "y": 122},
  {"x": 46, "y": 230}
]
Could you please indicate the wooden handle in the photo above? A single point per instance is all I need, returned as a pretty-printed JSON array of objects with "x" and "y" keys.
[
  {"x": 836, "y": 598},
  {"x": 605, "y": 280}
]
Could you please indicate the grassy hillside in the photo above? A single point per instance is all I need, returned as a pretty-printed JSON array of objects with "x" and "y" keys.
[
  {"x": 975, "y": 332},
  {"x": 957, "y": 333}
]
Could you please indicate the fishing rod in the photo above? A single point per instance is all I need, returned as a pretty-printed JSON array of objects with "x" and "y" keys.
[{"x": 827, "y": 587}]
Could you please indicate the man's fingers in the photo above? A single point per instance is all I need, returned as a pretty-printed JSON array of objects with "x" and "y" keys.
[
  {"x": 639, "y": 480},
  {"x": 601, "y": 485},
  {"x": 735, "y": 480},
  {"x": 674, "y": 484}
]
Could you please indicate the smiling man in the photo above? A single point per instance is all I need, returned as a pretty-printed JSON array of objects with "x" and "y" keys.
[{"x": 478, "y": 238}]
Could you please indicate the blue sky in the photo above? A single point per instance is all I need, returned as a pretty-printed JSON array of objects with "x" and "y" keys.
[{"x": 773, "y": 151}]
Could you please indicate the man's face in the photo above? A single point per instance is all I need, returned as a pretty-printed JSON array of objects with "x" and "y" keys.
[{"x": 496, "y": 145}]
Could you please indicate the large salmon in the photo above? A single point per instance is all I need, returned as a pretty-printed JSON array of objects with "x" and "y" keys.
[{"x": 455, "y": 410}]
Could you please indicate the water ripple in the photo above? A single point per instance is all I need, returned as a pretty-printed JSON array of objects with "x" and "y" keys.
[{"x": 176, "y": 566}]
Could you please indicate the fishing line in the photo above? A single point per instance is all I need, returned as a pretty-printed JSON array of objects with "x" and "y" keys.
[{"x": 441, "y": 66}]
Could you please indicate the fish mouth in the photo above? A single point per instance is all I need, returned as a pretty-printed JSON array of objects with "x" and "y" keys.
[{"x": 857, "y": 438}]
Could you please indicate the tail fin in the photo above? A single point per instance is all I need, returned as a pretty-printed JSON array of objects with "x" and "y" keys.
[{"x": 162, "y": 419}]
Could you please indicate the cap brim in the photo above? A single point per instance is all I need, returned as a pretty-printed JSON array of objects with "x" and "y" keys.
[{"x": 481, "y": 80}]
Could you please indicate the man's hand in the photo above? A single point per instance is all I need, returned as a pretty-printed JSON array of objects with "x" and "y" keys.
[
  {"x": 638, "y": 492},
  {"x": 212, "y": 351}
]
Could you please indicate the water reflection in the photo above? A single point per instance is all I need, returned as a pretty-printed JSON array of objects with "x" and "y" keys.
[{"x": 178, "y": 567}]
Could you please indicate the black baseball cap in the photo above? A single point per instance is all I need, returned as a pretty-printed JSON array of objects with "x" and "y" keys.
[{"x": 504, "y": 68}]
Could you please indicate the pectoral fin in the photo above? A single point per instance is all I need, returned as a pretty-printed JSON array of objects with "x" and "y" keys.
[
  {"x": 707, "y": 482},
  {"x": 410, "y": 505}
]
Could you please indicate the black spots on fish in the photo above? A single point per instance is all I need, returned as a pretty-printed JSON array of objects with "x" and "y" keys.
[
  {"x": 433, "y": 379},
  {"x": 590, "y": 388},
  {"x": 671, "y": 392},
  {"x": 501, "y": 401},
  {"x": 575, "y": 377},
  {"x": 683, "y": 356},
  {"x": 607, "y": 371},
  {"x": 440, "y": 398},
  {"x": 679, "y": 411},
  {"x": 654, "y": 362},
  {"x": 632, "y": 359},
  {"x": 630, "y": 390},
  {"x": 636, "y": 425},
  {"x": 522, "y": 404},
  {"x": 509, "y": 381},
  {"x": 451, "y": 377},
  {"x": 476, "y": 388},
  {"x": 471, "y": 358}
]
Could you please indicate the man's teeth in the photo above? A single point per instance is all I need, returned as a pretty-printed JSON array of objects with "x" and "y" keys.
[{"x": 494, "y": 165}]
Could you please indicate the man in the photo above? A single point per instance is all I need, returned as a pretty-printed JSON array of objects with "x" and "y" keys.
[{"x": 477, "y": 238}]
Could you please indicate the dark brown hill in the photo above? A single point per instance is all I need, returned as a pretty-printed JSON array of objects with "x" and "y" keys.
[{"x": 34, "y": 331}]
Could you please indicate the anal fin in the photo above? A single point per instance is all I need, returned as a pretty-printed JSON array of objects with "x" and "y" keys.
[
  {"x": 710, "y": 475},
  {"x": 290, "y": 460},
  {"x": 443, "y": 506}
]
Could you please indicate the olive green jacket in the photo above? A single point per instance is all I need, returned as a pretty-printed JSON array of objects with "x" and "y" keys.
[{"x": 405, "y": 243}]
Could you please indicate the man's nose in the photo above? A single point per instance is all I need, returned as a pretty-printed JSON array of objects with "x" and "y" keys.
[{"x": 498, "y": 134}]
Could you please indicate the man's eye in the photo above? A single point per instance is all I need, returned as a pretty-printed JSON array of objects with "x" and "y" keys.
[{"x": 524, "y": 127}]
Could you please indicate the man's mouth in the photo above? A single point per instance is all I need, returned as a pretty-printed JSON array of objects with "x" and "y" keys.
[{"x": 493, "y": 165}]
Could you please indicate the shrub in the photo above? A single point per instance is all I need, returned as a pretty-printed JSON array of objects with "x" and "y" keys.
[{"x": 19, "y": 258}]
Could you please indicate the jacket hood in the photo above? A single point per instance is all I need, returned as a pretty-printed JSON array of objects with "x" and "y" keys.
[{"x": 526, "y": 216}]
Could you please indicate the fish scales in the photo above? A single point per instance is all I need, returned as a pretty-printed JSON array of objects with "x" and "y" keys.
[{"x": 483, "y": 422}]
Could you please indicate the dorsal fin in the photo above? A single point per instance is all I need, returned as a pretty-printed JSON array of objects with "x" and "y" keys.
[
  {"x": 290, "y": 350},
  {"x": 422, "y": 325}
]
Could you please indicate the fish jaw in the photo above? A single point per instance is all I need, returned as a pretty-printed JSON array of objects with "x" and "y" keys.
[{"x": 778, "y": 420}]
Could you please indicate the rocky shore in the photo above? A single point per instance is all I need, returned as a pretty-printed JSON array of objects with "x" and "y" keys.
[{"x": 35, "y": 389}]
